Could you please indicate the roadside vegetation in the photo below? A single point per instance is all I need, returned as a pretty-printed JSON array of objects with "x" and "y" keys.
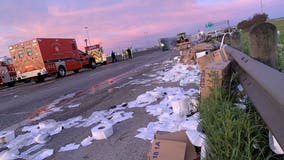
[
  {"x": 233, "y": 133},
  {"x": 279, "y": 23}
]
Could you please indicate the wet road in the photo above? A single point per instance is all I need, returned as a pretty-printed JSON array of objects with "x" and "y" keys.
[{"x": 18, "y": 103}]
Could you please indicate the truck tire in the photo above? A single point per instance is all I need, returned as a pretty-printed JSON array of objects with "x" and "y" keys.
[
  {"x": 61, "y": 71},
  {"x": 40, "y": 79},
  {"x": 92, "y": 63},
  {"x": 76, "y": 70},
  {"x": 10, "y": 84},
  {"x": 28, "y": 80},
  {"x": 105, "y": 63}
]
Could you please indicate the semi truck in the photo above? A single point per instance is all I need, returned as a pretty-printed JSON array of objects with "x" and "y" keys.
[
  {"x": 37, "y": 58},
  {"x": 7, "y": 72},
  {"x": 96, "y": 51}
]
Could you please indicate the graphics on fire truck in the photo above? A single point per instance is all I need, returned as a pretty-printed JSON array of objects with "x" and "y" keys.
[
  {"x": 37, "y": 58},
  {"x": 96, "y": 51},
  {"x": 7, "y": 72}
]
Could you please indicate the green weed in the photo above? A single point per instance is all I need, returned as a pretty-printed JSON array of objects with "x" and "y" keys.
[{"x": 233, "y": 133}]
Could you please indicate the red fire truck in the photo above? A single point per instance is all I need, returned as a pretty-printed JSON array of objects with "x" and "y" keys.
[
  {"x": 40, "y": 57},
  {"x": 7, "y": 72}
]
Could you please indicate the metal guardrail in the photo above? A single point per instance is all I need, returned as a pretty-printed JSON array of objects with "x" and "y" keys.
[{"x": 265, "y": 87}]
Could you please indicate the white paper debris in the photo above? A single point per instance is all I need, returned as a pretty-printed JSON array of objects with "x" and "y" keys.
[
  {"x": 87, "y": 141},
  {"x": 196, "y": 138},
  {"x": 69, "y": 147},
  {"x": 240, "y": 88},
  {"x": 95, "y": 117},
  {"x": 41, "y": 155},
  {"x": 6, "y": 136},
  {"x": 191, "y": 123},
  {"x": 203, "y": 151},
  {"x": 185, "y": 74},
  {"x": 73, "y": 106},
  {"x": 9, "y": 155},
  {"x": 72, "y": 122},
  {"x": 30, "y": 150},
  {"x": 41, "y": 138},
  {"x": 274, "y": 145},
  {"x": 240, "y": 106}
]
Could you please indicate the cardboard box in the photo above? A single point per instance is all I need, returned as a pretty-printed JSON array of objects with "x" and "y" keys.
[
  {"x": 216, "y": 56},
  {"x": 172, "y": 146},
  {"x": 213, "y": 75},
  {"x": 203, "y": 47},
  {"x": 187, "y": 57},
  {"x": 167, "y": 150}
]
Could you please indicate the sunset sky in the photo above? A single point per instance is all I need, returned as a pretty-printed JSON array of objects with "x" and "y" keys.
[{"x": 120, "y": 23}]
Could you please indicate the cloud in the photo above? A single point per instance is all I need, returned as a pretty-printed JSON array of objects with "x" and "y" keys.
[{"x": 118, "y": 23}]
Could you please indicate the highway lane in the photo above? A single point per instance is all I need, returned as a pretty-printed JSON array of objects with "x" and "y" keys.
[{"x": 17, "y": 104}]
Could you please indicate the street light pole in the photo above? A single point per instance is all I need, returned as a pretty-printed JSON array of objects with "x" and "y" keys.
[
  {"x": 87, "y": 32},
  {"x": 146, "y": 43},
  {"x": 261, "y": 6}
]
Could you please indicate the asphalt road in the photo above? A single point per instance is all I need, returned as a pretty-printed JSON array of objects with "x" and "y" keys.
[
  {"x": 94, "y": 90},
  {"x": 18, "y": 103}
]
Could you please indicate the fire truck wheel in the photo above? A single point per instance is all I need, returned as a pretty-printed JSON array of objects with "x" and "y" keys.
[
  {"x": 93, "y": 64},
  {"x": 76, "y": 70},
  {"x": 10, "y": 84},
  {"x": 27, "y": 80},
  {"x": 40, "y": 79},
  {"x": 61, "y": 72},
  {"x": 105, "y": 63}
]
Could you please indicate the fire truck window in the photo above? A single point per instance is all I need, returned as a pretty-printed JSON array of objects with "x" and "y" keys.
[
  {"x": 29, "y": 51},
  {"x": 74, "y": 46},
  {"x": 9, "y": 61},
  {"x": 21, "y": 54}
]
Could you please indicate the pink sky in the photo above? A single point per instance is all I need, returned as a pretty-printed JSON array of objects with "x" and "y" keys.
[{"x": 120, "y": 23}]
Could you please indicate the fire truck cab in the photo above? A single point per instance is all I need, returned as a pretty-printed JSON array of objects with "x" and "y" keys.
[
  {"x": 40, "y": 57},
  {"x": 96, "y": 51},
  {"x": 7, "y": 72}
]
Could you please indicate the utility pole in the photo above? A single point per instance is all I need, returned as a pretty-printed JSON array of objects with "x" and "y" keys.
[
  {"x": 261, "y": 6},
  {"x": 146, "y": 43},
  {"x": 87, "y": 33}
]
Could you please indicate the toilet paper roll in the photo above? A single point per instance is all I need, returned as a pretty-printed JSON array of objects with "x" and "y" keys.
[
  {"x": 181, "y": 106},
  {"x": 6, "y": 136},
  {"x": 274, "y": 145},
  {"x": 102, "y": 131}
]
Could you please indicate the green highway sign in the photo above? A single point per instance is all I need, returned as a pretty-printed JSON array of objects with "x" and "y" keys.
[{"x": 209, "y": 25}]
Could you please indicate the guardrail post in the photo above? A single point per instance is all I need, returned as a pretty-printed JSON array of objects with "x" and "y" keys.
[
  {"x": 236, "y": 41},
  {"x": 263, "y": 43}
]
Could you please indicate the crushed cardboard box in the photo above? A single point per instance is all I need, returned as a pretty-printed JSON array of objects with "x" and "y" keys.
[
  {"x": 203, "y": 47},
  {"x": 213, "y": 75},
  {"x": 187, "y": 57},
  {"x": 172, "y": 146},
  {"x": 216, "y": 56}
]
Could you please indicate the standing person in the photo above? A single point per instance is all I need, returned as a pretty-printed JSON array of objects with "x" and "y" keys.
[
  {"x": 129, "y": 53},
  {"x": 131, "y": 49},
  {"x": 113, "y": 57}
]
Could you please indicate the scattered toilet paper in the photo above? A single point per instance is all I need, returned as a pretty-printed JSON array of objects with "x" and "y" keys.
[
  {"x": 87, "y": 141},
  {"x": 69, "y": 147},
  {"x": 274, "y": 145},
  {"x": 73, "y": 106},
  {"x": 196, "y": 138},
  {"x": 9, "y": 155},
  {"x": 102, "y": 131},
  {"x": 6, "y": 136},
  {"x": 42, "y": 154},
  {"x": 181, "y": 105}
]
